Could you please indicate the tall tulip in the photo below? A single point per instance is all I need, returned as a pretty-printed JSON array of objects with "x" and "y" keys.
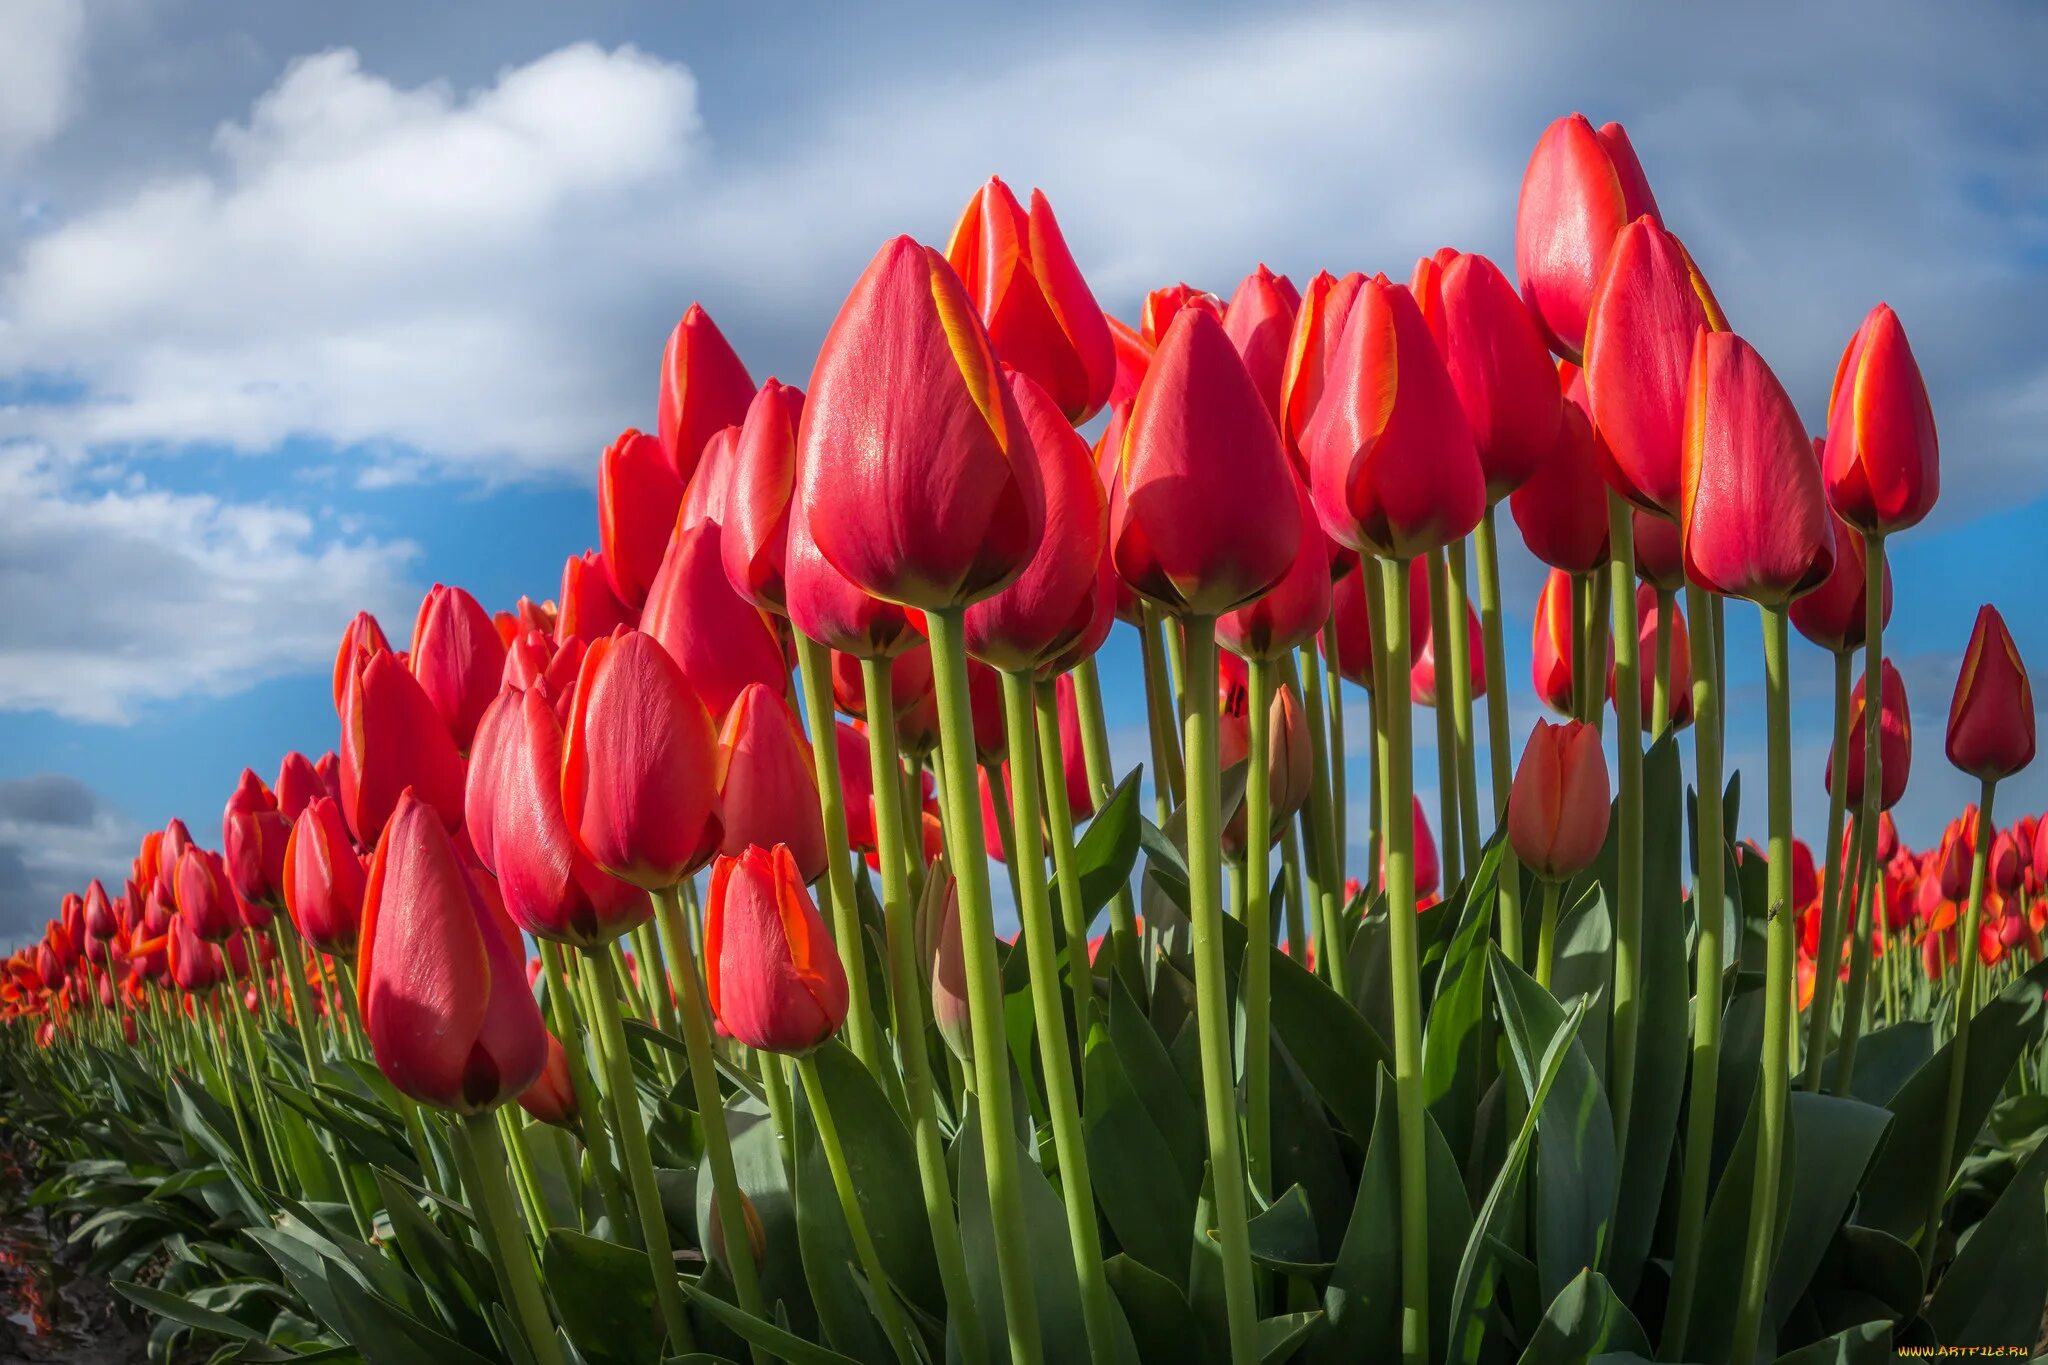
[
  {"x": 1318, "y": 330},
  {"x": 1498, "y": 366},
  {"x": 392, "y": 739},
  {"x": 590, "y": 609},
  {"x": 1260, "y": 323},
  {"x": 324, "y": 879},
  {"x": 1561, "y": 509},
  {"x": 457, "y": 657},
  {"x": 704, "y": 389},
  {"x": 721, "y": 641},
  {"x": 206, "y": 901},
  {"x": 253, "y": 834},
  {"x": 1582, "y": 187},
  {"x": 638, "y": 495},
  {"x": 359, "y": 642},
  {"x": 755, "y": 543},
  {"x": 1883, "y": 458},
  {"x": 1557, "y": 815},
  {"x": 768, "y": 793}
]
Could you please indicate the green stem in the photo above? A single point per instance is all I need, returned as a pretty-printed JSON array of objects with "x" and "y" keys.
[
  {"x": 781, "y": 1110},
  {"x": 1297, "y": 922},
  {"x": 1059, "y": 819},
  {"x": 1258, "y": 929},
  {"x": 524, "y": 1181},
  {"x": 1212, "y": 999},
  {"x": 1498, "y": 744},
  {"x": 1861, "y": 918},
  {"x": 1449, "y": 851},
  {"x": 1333, "y": 695},
  {"x": 856, "y": 1221},
  {"x": 969, "y": 858},
  {"x": 291, "y": 957},
  {"x": 1628, "y": 749},
  {"x": 1660, "y": 685},
  {"x": 1319, "y": 831},
  {"x": 570, "y": 1028},
  {"x": 1546, "y": 935},
  {"x": 1123, "y": 912},
  {"x": 510, "y": 1253},
  {"x": 1965, "y": 1008},
  {"x": 1461, "y": 703},
  {"x": 1828, "y": 947},
  {"x": 1404, "y": 969},
  {"x": 1873, "y": 748},
  {"x": 1169, "y": 777}
]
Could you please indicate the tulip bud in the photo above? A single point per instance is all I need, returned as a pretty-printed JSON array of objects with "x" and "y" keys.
[
  {"x": 392, "y": 738},
  {"x": 1894, "y": 738},
  {"x": 324, "y": 879},
  {"x": 176, "y": 839},
  {"x": 253, "y": 835},
  {"x": 194, "y": 964},
  {"x": 1427, "y": 867},
  {"x": 590, "y": 609},
  {"x": 1558, "y": 806},
  {"x": 769, "y": 794},
  {"x": 1318, "y": 328},
  {"x": 750, "y": 1218},
  {"x": 1423, "y": 687},
  {"x": 1497, "y": 363},
  {"x": 1041, "y": 318},
  {"x": 297, "y": 784},
  {"x": 704, "y": 389},
  {"x": 721, "y": 641},
  {"x": 1293, "y": 612},
  {"x": 1552, "y": 647},
  {"x": 772, "y": 974},
  {"x": 99, "y": 912},
  {"x": 1660, "y": 555},
  {"x": 1833, "y": 614},
  {"x": 1163, "y": 306},
  {"x": 916, "y": 473},
  {"x": 638, "y": 495},
  {"x": 1582, "y": 187},
  {"x": 1562, "y": 508},
  {"x": 1287, "y": 767},
  {"x": 363, "y": 639},
  {"x": 755, "y": 545},
  {"x": 2004, "y": 866},
  {"x": 205, "y": 900},
  {"x": 1991, "y": 720},
  {"x": 704, "y": 500},
  {"x": 1352, "y": 608},
  {"x": 552, "y": 1097},
  {"x": 938, "y": 921},
  {"x": 1678, "y": 692},
  {"x": 1260, "y": 324},
  {"x": 1883, "y": 463},
  {"x": 457, "y": 658}
]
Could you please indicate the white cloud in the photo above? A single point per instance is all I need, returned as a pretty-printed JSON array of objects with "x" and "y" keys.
[
  {"x": 123, "y": 597},
  {"x": 42, "y": 43}
]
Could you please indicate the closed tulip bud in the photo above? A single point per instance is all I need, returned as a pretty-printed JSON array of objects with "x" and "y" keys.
[
  {"x": 392, "y": 738},
  {"x": 1423, "y": 685},
  {"x": 1041, "y": 317},
  {"x": 1894, "y": 737},
  {"x": 1260, "y": 323},
  {"x": 1679, "y": 690},
  {"x": 916, "y": 472},
  {"x": 253, "y": 833},
  {"x": 552, "y": 1097},
  {"x": 721, "y": 641},
  {"x": 1991, "y": 720},
  {"x": 1755, "y": 517},
  {"x": 1392, "y": 467},
  {"x": 938, "y": 923},
  {"x": 640, "y": 765},
  {"x": 769, "y": 795},
  {"x": 1287, "y": 769},
  {"x": 1203, "y": 516},
  {"x": 324, "y": 880},
  {"x": 362, "y": 640},
  {"x": 205, "y": 900},
  {"x": 1562, "y": 509},
  {"x": 750, "y": 1218},
  {"x": 825, "y": 606},
  {"x": 590, "y": 609},
  {"x": 638, "y": 495},
  {"x": 1133, "y": 358},
  {"x": 2005, "y": 864},
  {"x": 910, "y": 680},
  {"x": 1352, "y": 607},
  {"x": 1805, "y": 879},
  {"x": 1883, "y": 462},
  {"x": 755, "y": 545},
  {"x": 1582, "y": 187},
  {"x": 1660, "y": 551},
  {"x": 1553, "y": 658},
  {"x": 1497, "y": 362},
  {"x": 772, "y": 974},
  {"x": 1558, "y": 806},
  {"x": 1293, "y": 612},
  {"x": 1318, "y": 328},
  {"x": 298, "y": 782},
  {"x": 1639, "y": 344},
  {"x": 857, "y": 781},
  {"x": 457, "y": 658},
  {"x": 1162, "y": 306},
  {"x": 704, "y": 389},
  {"x": 704, "y": 499},
  {"x": 1427, "y": 868},
  {"x": 98, "y": 912},
  {"x": 176, "y": 839},
  {"x": 194, "y": 964},
  {"x": 441, "y": 981}
]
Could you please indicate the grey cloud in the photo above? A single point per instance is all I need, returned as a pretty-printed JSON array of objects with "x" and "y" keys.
[{"x": 56, "y": 834}]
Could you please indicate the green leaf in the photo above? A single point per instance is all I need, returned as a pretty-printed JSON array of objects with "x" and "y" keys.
[
  {"x": 1108, "y": 848},
  {"x": 1868, "y": 1343},
  {"x": 1584, "y": 1321},
  {"x": 1993, "y": 1291},
  {"x": 382, "y": 1331},
  {"x": 1150, "y": 1071},
  {"x": 1283, "y": 1237},
  {"x": 1887, "y": 1059},
  {"x": 1330, "y": 1041},
  {"x": 1585, "y": 964},
  {"x": 1832, "y": 1140},
  {"x": 184, "y": 1311},
  {"x": 1362, "y": 1301},
  {"x": 1157, "y": 1311},
  {"x": 1279, "y": 1338},
  {"x": 1451, "y": 1037},
  {"x": 1138, "y": 1181},
  {"x": 757, "y": 1165},
  {"x": 1724, "y": 1240},
  {"x": 604, "y": 1296},
  {"x": 766, "y": 1335},
  {"x": 1048, "y": 1252},
  {"x": 451, "y": 1272}
]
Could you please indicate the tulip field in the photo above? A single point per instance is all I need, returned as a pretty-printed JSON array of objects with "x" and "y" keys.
[{"x": 755, "y": 952}]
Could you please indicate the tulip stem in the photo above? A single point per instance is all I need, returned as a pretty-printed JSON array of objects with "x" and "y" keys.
[
  {"x": 1212, "y": 999},
  {"x": 1290, "y": 861},
  {"x": 907, "y": 994},
  {"x": 1546, "y": 934},
  {"x": 1333, "y": 695},
  {"x": 883, "y": 1295},
  {"x": 491, "y": 1201},
  {"x": 1486, "y": 552},
  {"x": 1628, "y": 751},
  {"x": 969, "y": 857},
  {"x": 1169, "y": 776},
  {"x": 601, "y": 993},
  {"x": 1319, "y": 832},
  {"x": 1772, "y": 1089},
  {"x": 569, "y": 1027},
  {"x": 1873, "y": 758},
  {"x": 1660, "y": 686},
  {"x": 291, "y": 956},
  {"x": 1861, "y": 918},
  {"x": 1965, "y": 1007},
  {"x": 775, "y": 1092},
  {"x": 1461, "y": 701},
  {"x": 1123, "y": 913},
  {"x": 1059, "y": 819},
  {"x": 1828, "y": 947},
  {"x": 1404, "y": 969},
  {"x": 1258, "y": 928},
  {"x": 1710, "y": 912},
  {"x": 1449, "y": 850},
  {"x": 814, "y": 669}
]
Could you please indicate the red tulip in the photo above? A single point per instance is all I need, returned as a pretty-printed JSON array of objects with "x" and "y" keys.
[
  {"x": 205, "y": 900},
  {"x": 704, "y": 499},
  {"x": 1288, "y": 772},
  {"x": 1423, "y": 687},
  {"x": 1833, "y": 614},
  {"x": 324, "y": 879},
  {"x": 1562, "y": 509},
  {"x": 1582, "y": 187},
  {"x": 1755, "y": 518},
  {"x": 1805, "y": 880},
  {"x": 857, "y": 781},
  {"x": 939, "y": 931},
  {"x": 1050, "y": 602},
  {"x": 1558, "y": 805},
  {"x": 1318, "y": 329},
  {"x": 755, "y": 543},
  {"x": 1260, "y": 323},
  {"x": 1553, "y": 661},
  {"x": 2005, "y": 864},
  {"x": 359, "y": 642},
  {"x": 1133, "y": 358},
  {"x": 552, "y": 1096},
  {"x": 1497, "y": 363},
  {"x": 1679, "y": 692},
  {"x": 910, "y": 680},
  {"x": 1639, "y": 346},
  {"x": 1660, "y": 552},
  {"x": 825, "y": 606},
  {"x": 1427, "y": 868},
  {"x": 769, "y": 793},
  {"x": 1202, "y": 515},
  {"x": 640, "y": 765},
  {"x": 590, "y": 609},
  {"x": 535, "y": 662},
  {"x": 1295, "y": 610},
  {"x": 1353, "y": 606},
  {"x": 253, "y": 834},
  {"x": 298, "y": 782},
  {"x": 916, "y": 472},
  {"x": 1883, "y": 459},
  {"x": 1991, "y": 720},
  {"x": 1162, "y": 306},
  {"x": 704, "y": 388},
  {"x": 392, "y": 738},
  {"x": 1098, "y": 615},
  {"x": 771, "y": 972},
  {"x": 1392, "y": 467},
  {"x": 99, "y": 912},
  {"x": 194, "y": 964},
  {"x": 638, "y": 495},
  {"x": 1040, "y": 315},
  {"x": 440, "y": 982},
  {"x": 457, "y": 658},
  {"x": 721, "y": 641}
]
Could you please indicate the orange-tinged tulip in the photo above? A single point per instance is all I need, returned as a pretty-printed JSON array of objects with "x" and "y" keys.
[
  {"x": 194, "y": 965},
  {"x": 755, "y": 543},
  {"x": 362, "y": 639},
  {"x": 771, "y": 972},
  {"x": 457, "y": 658},
  {"x": 1318, "y": 328},
  {"x": 590, "y": 609},
  {"x": 1497, "y": 363},
  {"x": 1202, "y": 515},
  {"x": 1392, "y": 467},
  {"x": 392, "y": 738},
  {"x": 1553, "y": 660},
  {"x": 1755, "y": 518},
  {"x": 704, "y": 499},
  {"x": 1040, "y": 314},
  {"x": 917, "y": 475},
  {"x": 552, "y": 1096},
  {"x": 1833, "y": 615},
  {"x": 1162, "y": 306},
  {"x": 1651, "y": 300},
  {"x": 1260, "y": 323},
  {"x": 721, "y": 641},
  {"x": 704, "y": 389},
  {"x": 770, "y": 792},
  {"x": 1558, "y": 806},
  {"x": 1296, "y": 608},
  {"x": 205, "y": 900},
  {"x": 640, "y": 765},
  {"x": 1562, "y": 509},
  {"x": 1991, "y": 720},
  {"x": 1133, "y": 358},
  {"x": 252, "y": 833},
  {"x": 324, "y": 879},
  {"x": 441, "y": 981},
  {"x": 1883, "y": 459},
  {"x": 1581, "y": 188},
  {"x": 638, "y": 495}
]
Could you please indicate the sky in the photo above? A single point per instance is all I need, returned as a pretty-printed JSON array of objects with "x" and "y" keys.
[{"x": 303, "y": 309}]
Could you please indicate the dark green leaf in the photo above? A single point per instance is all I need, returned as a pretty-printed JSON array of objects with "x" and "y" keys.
[
  {"x": 604, "y": 1296},
  {"x": 1584, "y": 1321},
  {"x": 766, "y": 1335},
  {"x": 1993, "y": 1292}
]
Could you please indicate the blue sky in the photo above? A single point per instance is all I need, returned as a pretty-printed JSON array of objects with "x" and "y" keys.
[{"x": 303, "y": 309}]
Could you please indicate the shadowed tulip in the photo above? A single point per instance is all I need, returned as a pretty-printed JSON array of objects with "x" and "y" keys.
[
  {"x": 195, "y": 965},
  {"x": 1094, "y": 619},
  {"x": 1833, "y": 615},
  {"x": 721, "y": 641},
  {"x": 1581, "y": 188},
  {"x": 362, "y": 639},
  {"x": 754, "y": 545},
  {"x": 99, "y": 912},
  {"x": 457, "y": 658},
  {"x": 205, "y": 899},
  {"x": 1392, "y": 468},
  {"x": 1558, "y": 806},
  {"x": 1260, "y": 323},
  {"x": 1755, "y": 518},
  {"x": 324, "y": 879},
  {"x": 938, "y": 925},
  {"x": 1423, "y": 687},
  {"x": 769, "y": 794},
  {"x": 1427, "y": 869},
  {"x": 1318, "y": 328},
  {"x": 298, "y": 782},
  {"x": 1883, "y": 460},
  {"x": 1660, "y": 551},
  {"x": 917, "y": 476},
  {"x": 253, "y": 833},
  {"x": 640, "y": 765},
  {"x": 1894, "y": 737},
  {"x": 638, "y": 496},
  {"x": 1288, "y": 766},
  {"x": 1353, "y": 606},
  {"x": 1295, "y": 609},
  {"x": 771, "y": 972},
  {"x": 1497, "y": 362},
  {"x": 552, "y": 1096},
  {"x": 392, "y": 739},
  {"x": 1553, "y": 663},
  {"x": 1040, "y": 315},
  {"x": 704, "y": 389},
  {"x": 1562, "y": 509},
  {"x": 590, "y": 609},
  {"x": 910, "y": 680},
  {"x": 1679, "y": 692},
  {"x": 441, "y": 979},
  {"x": 826, "y": 606},
  {"x": 1991, "y": 719},
  {"x": 1202, "y": 515}
]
